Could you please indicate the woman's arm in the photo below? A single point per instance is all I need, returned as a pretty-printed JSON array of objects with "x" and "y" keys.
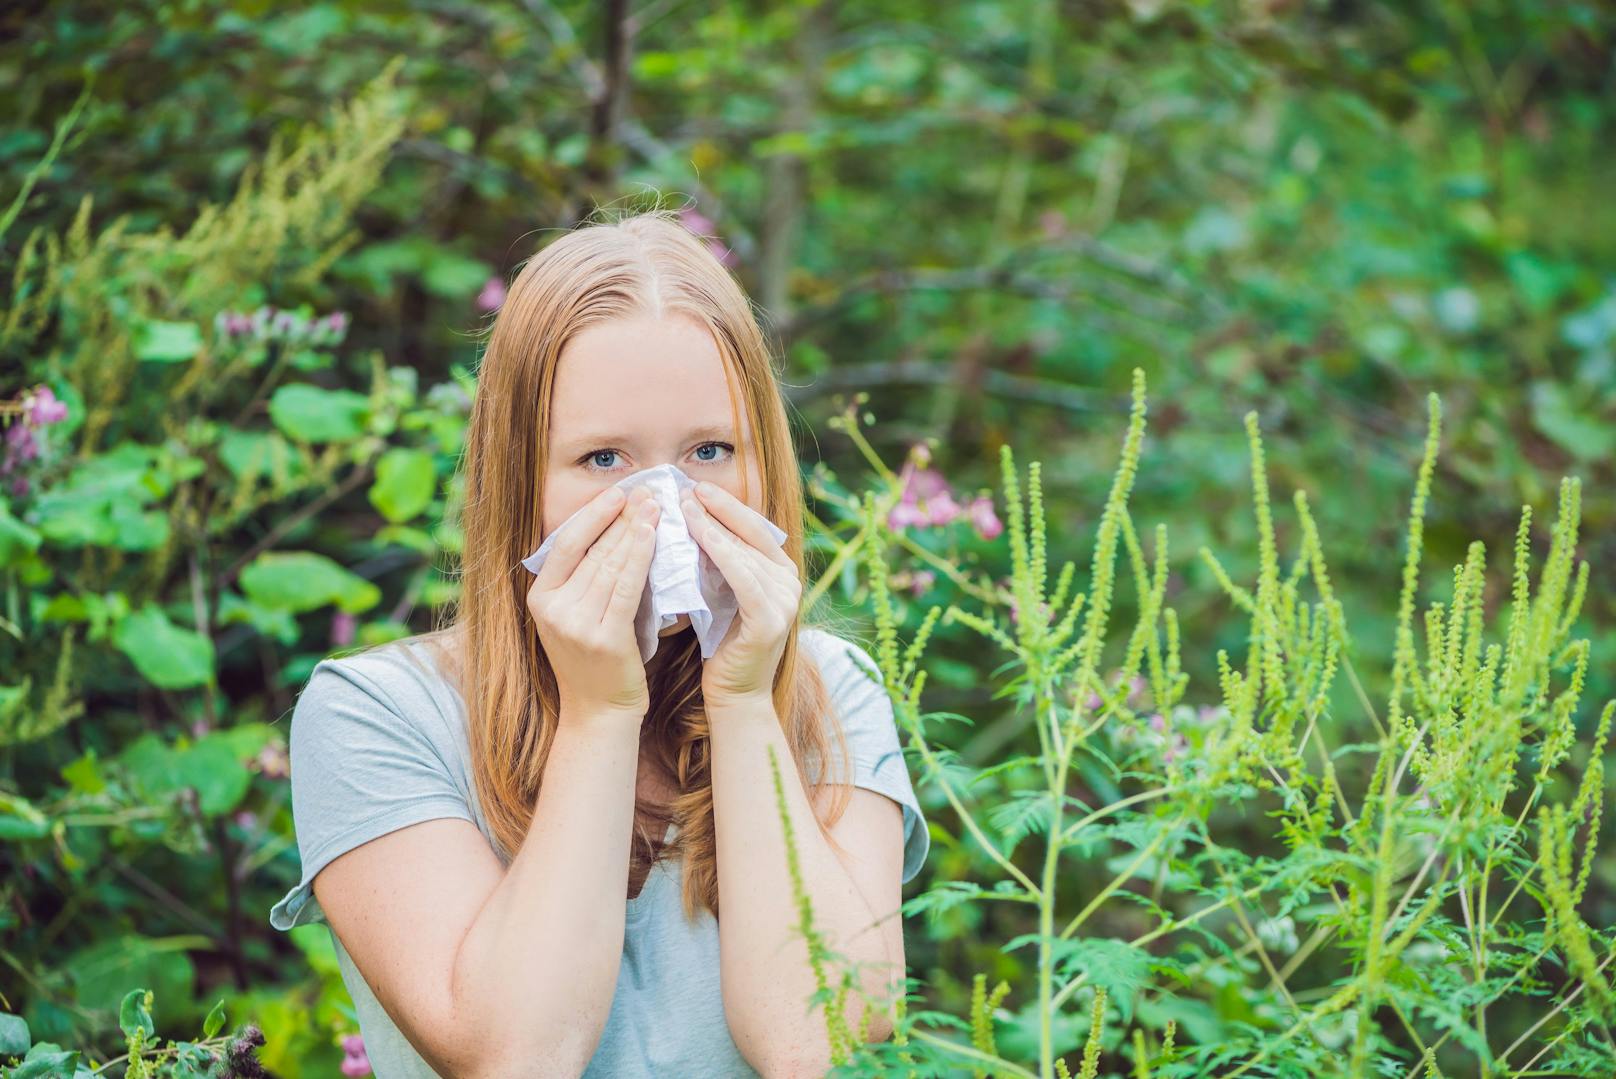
[
  {"x": 499, "y": 973},
  {"x": 766, "y": 976}
]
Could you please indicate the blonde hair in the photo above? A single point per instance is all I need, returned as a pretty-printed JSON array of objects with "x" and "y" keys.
[{"x": 644, "y": 263}]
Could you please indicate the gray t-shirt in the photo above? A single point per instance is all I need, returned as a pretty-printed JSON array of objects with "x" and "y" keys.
[{"x": 378, "y": 742}]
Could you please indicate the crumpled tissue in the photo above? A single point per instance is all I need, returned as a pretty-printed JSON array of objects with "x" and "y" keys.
[{"x": 681, "y": 579}]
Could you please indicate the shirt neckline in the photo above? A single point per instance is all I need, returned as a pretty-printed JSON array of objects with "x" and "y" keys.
[{"x": 637, "y": 907}]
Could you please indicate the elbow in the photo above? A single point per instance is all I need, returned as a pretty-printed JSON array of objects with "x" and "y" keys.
[
  {"x": 553, "y": 1063},
  {"x": 813, "y": 1062},
  {"x": 542, "y": 1053}
]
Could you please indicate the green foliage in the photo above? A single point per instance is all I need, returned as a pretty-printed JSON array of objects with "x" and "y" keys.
[
  {"x": 1324, "y": 211},
  {"x": 1411, "y": 874},
  {"x": 166, "y": 523},
  {"x": 208, "y": 1057}
]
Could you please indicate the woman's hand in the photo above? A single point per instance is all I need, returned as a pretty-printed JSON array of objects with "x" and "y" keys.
[
  {"x": 584, "y": 599},
  {"x": 766, "y": 586}
]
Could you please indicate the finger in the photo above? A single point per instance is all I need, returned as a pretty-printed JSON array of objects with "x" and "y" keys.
[
  {"x": 737, "y": 561},
  {"x": 617, "y": 574},
  {"x": 582, "y": 582},
  {"x": 624, "y": 602},
  {"x": 577, "y": 534},
  {"x": 742, "y": 520}
]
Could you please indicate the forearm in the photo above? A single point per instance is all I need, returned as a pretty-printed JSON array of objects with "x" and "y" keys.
[
  {"x": 766, "y": 975},
  {"x": 537, "y": 970}
]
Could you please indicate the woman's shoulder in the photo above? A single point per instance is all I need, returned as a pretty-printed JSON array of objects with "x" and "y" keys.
[
  {"x": 846, "y": 663},
  {"x": 392, "y": 685},
  {"x": 834, "y": 645}
]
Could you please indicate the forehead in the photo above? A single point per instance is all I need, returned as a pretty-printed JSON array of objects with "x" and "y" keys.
[{"x": 641, "y": 377}]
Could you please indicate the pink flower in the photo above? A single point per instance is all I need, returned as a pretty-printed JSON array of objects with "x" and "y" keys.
[
  {"x": 273, "y": 763},
  {"x": 722, "y": 254},
  {"x": 1136, "y": 689},
  {"x": 247, "y": 819},
  {"x": 904, "y": 514},
  {"x": 922, "y": 483},
  {"x": 1053, "y": 224},
  {"x": 354, "y": 1060},
  {"x": 922, "y": 581},
  {"x": 343, "y": 627},
  {"x": 44, "y": 408},
  {"x": 329, "y": 329},
  {"x": 926, "y": 499},
  {"x": 696, "y": 221},
  {"x": 943, "y": 509},
  {"x": 492, "y": 295},
  {"x": 702, "y": 225},
  {"x": 983, "y": 519},
  {"x": 21, "y": 445}
]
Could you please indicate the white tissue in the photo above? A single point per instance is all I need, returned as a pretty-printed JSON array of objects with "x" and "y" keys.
[{"x": 682, "y": 579}]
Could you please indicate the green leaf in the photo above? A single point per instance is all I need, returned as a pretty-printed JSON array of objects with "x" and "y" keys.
[
  {"x": 454, "y": 276},
  {"x": 83, "y": 775},
  {"x": 1557, "y": 415},
  {"x": 17, "y": 539},
  {"x": 280, "y": 624},
  {"x": 12, "y": 698},
  {"x": 14, "y": 1038},
  {"x": 47, "y": 1060},
  {"x": 405, "y": 482},
  {"x": 215, "y": 1020},
  {"x": 133, "y": 1015},
  {"x": 103, "y": 971},
  {"x": 19, "y": 819},
  {"x": 103, "y": 497},
  {"x": 300, "y": 581},
  {"x": 167, "y": 342},
  {"x": 251, "y": 454},
  {"x": 405, "y": 536},
  {"x": 307, "y": 413},
  {"x": 212, "y": 766},
  {"x": 166, "y": 655},
  {"x": 314, "y": 941},
  {"x": 1021, "y": 813}
]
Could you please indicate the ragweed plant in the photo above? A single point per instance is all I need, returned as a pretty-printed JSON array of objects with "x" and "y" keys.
[{"x": 1234, "y": 888}]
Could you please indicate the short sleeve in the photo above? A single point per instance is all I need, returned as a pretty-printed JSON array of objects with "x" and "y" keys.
[
  {"x": 361, "y": 766},
  {"x": 860, "y": 699}
]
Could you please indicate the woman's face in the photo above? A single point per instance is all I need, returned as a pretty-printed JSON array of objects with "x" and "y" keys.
[{"x": 633, "y": 394}]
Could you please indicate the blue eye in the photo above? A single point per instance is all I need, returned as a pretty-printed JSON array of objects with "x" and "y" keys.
[{"x": 588, "y": 459}]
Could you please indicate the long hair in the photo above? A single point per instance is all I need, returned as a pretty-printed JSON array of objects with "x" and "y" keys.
[{"x": 643, "y": 263}]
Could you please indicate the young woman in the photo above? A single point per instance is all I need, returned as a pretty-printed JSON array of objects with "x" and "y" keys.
[{"x": 539, "y": 855}]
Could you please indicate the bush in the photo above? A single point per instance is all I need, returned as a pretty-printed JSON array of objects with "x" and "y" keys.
[{"x": 1277, "y": 901}]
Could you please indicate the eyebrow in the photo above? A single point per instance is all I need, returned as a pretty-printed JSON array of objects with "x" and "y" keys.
[{"x": 589, "y": 441}]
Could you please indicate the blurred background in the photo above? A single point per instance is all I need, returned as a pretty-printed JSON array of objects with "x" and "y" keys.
[{"x": 982, "y": 215}]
